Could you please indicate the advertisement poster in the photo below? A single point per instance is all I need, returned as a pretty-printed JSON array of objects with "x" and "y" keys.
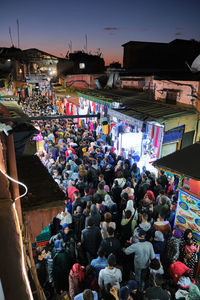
[{"x": 188, "y": 213}]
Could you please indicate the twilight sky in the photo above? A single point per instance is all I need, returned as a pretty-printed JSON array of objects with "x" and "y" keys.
[{"x": 51, "y": 25}]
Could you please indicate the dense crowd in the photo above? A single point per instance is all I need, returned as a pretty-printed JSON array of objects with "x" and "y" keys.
[{"x": 115, "y": 238}]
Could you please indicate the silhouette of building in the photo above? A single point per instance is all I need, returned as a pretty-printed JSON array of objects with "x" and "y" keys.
[{"x": 152, "y": 56}]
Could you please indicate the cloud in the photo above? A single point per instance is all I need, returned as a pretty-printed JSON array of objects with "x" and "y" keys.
[
  {"x": 111, "y": 28},
  {"x": 178, "y": 33}
]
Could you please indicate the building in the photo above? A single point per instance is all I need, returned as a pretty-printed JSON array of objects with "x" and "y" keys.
[
  {"x": 152, "y": 56},
  {"x": 41, "y": 63},
  {"x": 180, "y": 124},
  {"x": 13, "y": 66}
]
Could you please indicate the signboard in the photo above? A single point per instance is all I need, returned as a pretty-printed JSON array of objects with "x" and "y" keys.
[
  {"x": 174, "y": 134},
  {"x": 35, "y": 78},
  {"x": 123, "y": 117},
  {"x": 188, "y": 213}
]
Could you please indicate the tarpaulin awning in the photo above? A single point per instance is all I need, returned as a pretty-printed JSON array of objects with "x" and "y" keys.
[
  {"x": 184, "y": 162},
  {"x": 122, "y": 117}
]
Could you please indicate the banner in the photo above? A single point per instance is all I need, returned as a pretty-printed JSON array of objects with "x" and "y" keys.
[
  {"x": 174, "y": 134},
  {"x": 188, "y": 213}
]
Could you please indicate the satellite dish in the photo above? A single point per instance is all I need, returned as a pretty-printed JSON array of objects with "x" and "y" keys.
[{"x": 195, "y": 67}]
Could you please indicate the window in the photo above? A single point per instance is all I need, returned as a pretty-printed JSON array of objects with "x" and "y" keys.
[{"x": 171, "y": 96}]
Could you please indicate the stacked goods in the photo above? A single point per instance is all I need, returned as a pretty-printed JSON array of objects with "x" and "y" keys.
[{"x": 44, "y": 237}]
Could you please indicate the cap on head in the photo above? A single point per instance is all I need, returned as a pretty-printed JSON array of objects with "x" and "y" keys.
[{"x": 141, "y": 233}]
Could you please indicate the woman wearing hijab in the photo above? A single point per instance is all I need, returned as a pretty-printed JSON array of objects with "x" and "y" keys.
[
  {"x": 173, "y": 246},
  {"x": 188, "y": 259},
  {"x": 108, "y": 201},
  {"x": 76, "y": 280},
  {"x": 65, "y": 237},
  {"x": 130, "y": 206},
  {"x": 105, "y": 224}
]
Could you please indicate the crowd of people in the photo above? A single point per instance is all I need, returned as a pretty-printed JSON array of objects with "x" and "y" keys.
[{"x": 115, "y": 238}]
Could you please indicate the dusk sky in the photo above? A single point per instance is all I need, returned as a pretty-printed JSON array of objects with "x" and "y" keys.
[{"x": 50, "y": 25}]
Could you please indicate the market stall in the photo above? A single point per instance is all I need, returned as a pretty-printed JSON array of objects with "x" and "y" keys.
[
  {"x": 185, "y": 163},
  {"x": 142, "y": 140}
]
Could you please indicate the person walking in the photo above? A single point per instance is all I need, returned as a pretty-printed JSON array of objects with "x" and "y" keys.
[{"x": 143, "y": 254}]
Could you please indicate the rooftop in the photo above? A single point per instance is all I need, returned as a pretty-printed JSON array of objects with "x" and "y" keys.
[
  {"x": 138, "y": 105},
  {"x": 174, "y": 162}
]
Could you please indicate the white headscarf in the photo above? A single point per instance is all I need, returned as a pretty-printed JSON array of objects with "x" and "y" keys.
[
  {"x": 129, "y": 206},
  {"x": 108, "y": 201}
]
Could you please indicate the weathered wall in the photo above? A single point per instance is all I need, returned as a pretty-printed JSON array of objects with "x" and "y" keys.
[
  {"x": 81, "y": 81},
  {"x": 184, "y": 90},
  {"x": 190, "y": 122},
  {"x": 36, "y": 220}
]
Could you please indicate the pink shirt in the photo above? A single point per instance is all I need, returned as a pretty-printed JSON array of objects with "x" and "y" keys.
[{"x": 191, "y": 249}]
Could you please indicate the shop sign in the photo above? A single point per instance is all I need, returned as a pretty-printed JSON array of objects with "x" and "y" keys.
[
  {"x": 188, "y": 213},
  {"x": 35, "y": 78},
  {"x": 174, "y": 134},
  {"x": 122, "y": 117}
]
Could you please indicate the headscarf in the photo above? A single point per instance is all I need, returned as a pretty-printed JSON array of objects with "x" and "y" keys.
[
  {"x": 106, "y": 188},
  {"x": 108, "y": 201},
  {"x": 150, "y": 195},
  {"x": 177, "y": 233},
  {"x": 78, "y": 270},
  {"x": 129, "y": 206},
  {"x": 95, "y": 215},
  {"x": 65, "y": 236},
  {"x": 93, "y": 210},
  {"x": 186, "y": 232},
  {"x": 159, "y": 237}
]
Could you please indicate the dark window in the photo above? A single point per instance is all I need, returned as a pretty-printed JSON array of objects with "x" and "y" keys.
[{"x": 171, "y": 97}]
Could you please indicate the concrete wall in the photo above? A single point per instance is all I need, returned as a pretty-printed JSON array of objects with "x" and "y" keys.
[
  {"x": 81, "y": 81},
  {"x": 184, "y": 90},
  {"x": 190, "y": 122},
  {"x": 135, "y": 84}
]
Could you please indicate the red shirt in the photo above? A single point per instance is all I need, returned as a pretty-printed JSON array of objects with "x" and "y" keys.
[{"x": 69, "y": 149}]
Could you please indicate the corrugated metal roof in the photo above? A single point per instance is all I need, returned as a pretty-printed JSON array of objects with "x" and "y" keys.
[
  {"x": 139, "y": 105},
  {"x": 153, "y": 110}
]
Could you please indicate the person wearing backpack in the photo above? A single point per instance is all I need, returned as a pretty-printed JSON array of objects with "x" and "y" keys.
[{"x": 127, "y": 227}]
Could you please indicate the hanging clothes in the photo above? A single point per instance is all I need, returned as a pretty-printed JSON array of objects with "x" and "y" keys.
[
  {"x": 67, "y": 109},
  {"x": 106, "y": 129},
  {"x": 156, "y": 137}
]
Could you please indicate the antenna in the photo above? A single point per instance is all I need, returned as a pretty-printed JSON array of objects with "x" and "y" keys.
[
  {"x": 12, "y": 45},
  {"x": 18, "y": 31},
  {"x": 70, "y": 46},
  {"x": 86, "y": 48}
]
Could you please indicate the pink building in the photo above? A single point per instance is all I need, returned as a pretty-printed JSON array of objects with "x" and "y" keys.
[
  {"x": 83, "y": 81},
  {"x": 177, "y": 92},
  {"x": 185, "y": 92}
]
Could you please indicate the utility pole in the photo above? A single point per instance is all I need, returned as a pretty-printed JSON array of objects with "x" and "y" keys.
[{"x": 86, "y": 47}]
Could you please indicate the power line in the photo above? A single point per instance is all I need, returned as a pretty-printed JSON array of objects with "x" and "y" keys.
[{"x": 18, "y": 32}]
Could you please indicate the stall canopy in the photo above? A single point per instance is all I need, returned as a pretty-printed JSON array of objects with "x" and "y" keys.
[{"x": 185, "y": 162}]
